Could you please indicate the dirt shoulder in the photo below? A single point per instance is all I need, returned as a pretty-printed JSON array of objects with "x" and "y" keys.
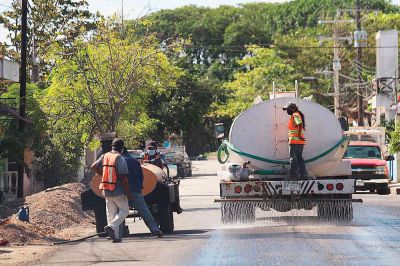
[{"x": 55, "y": 215}]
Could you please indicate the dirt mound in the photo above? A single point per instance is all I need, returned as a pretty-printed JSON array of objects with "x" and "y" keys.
[{"x": 55, "y": 214}]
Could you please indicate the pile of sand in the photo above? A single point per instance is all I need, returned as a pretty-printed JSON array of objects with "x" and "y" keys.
[{"x": 55, "y": 214}]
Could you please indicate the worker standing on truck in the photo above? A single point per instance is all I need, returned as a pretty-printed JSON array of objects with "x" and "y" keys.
[
  {"x": 296, "y": 127},
  {"x": 152, "y": 155},
  {"x": 135, "y": 178},
  {"x": 114, "y": 184}
]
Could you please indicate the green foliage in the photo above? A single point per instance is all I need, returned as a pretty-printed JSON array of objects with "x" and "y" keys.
[
  {"x": 105, "y": 86},
  {"x": 50, "y": 164},
  {"x": 135, "y": 133},
  {"x": 50, "y": 22},
  {"x": 389, "y": 129},
  {"x": 181, "y": 70},
  {"x": 394, "y": 146},
  {"x": 265, "y": 66},
  {"x": 222, "y": 39}
]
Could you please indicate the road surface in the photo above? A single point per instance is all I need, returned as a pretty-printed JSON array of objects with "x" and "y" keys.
[{"x": 293, "y": 238}]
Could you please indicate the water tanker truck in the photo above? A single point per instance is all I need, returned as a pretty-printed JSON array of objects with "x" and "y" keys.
[{"x": 256, "y": 164}]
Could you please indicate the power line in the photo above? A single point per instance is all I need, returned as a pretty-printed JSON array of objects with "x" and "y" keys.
[{"x": 271, "y": 46}]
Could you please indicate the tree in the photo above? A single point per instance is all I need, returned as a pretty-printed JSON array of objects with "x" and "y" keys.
[
  {"x": 50, "y": 21},
  {"x": 49, "y": 165},
  {"x": 218, "y": 39},
  {"x": 104, "y": 84},
  {"x": 261, "y": 69}
]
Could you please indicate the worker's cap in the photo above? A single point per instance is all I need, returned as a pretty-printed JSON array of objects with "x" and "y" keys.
[
  {"x": 289, "y": 105},
  {"x": 152, "y": 144},
  {"x": 118, "y": 144}
]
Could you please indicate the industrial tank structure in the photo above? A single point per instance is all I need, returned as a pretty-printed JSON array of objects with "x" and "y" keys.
[{"x": 262, "y": 131}]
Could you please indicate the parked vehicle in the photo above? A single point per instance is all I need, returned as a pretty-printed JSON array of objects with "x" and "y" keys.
[
  {"x": 137, "y": 154},
  {"x": 177, "y": 156},
  {"x": 368, "y": 166}
]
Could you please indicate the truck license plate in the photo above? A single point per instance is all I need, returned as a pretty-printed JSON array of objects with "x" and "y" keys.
[
  {"x": 291, "y": 186},
  {"x": 359, "y": 183}
]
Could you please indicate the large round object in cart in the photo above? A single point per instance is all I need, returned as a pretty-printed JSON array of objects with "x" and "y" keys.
[
  {"x": 262, "y": 131},
  {"x": 94, "y": 185},
  {"x": 151, "y": 175}
]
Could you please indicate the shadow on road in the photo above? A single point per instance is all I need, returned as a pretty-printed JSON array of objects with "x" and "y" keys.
[
  {"x": 178, "y": 234},
  {"x": 4, "y": 251},
  {"x": 90, "y": 262},
  {"x": 200, "y": 209}
]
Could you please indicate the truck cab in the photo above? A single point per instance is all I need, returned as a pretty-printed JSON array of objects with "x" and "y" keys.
[{"x": 368, "y": 166}]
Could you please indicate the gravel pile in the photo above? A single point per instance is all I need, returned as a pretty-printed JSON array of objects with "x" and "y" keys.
[{"x": 55, "y": 214}]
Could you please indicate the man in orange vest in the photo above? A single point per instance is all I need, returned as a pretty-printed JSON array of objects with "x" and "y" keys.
[
  {"x": 296, "y": 127},
  {"x": 114, "y": 183}
]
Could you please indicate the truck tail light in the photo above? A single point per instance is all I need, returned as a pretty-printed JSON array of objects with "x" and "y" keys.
[
  {"x": 339, "y": 186},
  {"x": 329, "y": 186},
  {"x": 238, "y": 189},
  {"x": 256, "y": 188},
  {"x": 247, "y": 188}
]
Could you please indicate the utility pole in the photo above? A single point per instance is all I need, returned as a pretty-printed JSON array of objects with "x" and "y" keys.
[
  {"x": 35, "y": 66},
  {"x": 359, "y": 69},
  {"x": 122, "y": 16},
  {"x": 336, "y": 60},
  {"x": 22, "y": 94},
  {"x": 336, "y": 69}
]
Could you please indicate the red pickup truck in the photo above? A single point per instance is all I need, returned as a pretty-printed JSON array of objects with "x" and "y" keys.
[{"x": 368, "y": 166}]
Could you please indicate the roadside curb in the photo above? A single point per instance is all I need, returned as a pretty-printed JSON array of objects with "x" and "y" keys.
[{"x": 394, "y": 189}]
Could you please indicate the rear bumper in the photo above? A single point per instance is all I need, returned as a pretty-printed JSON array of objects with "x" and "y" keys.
[
  {"x": 372, "y": 184},
  {"x": 276, "y": 189},
  {"x": 360, "y": 176}
]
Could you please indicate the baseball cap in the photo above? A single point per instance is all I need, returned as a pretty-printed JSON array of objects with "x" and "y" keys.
[{"x": 289, "y": 105}]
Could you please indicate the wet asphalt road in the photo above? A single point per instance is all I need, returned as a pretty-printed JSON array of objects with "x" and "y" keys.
[{"x": 292, "y": 238}]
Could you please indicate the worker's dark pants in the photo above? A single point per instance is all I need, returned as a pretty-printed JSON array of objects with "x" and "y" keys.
[{"x": 297, "y": 164}]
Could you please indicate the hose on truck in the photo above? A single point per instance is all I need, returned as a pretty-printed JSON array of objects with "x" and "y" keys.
[{"x": 226, "y": 146}]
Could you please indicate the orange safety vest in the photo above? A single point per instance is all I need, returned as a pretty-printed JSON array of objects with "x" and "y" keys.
[
  {"x": 109, "y": 178},
  {"x": 293, "y": 129}
]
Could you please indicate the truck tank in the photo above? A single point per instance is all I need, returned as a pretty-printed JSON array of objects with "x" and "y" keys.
[{"x": 260, "y": 135}]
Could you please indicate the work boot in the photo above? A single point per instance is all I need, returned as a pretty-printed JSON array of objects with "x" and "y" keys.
[
  {"x": 110, "y": 232},
  {"x": 159, "y": 234},
  {"x": 119, "y": 240}
]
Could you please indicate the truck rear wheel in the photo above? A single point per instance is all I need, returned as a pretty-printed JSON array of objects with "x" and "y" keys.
[
  {"x": 181, "y": 172},
  {"x": 166, "y": 218},
  {"x": 383, "y": 190},
  {"x": 189, "y": 173}
]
